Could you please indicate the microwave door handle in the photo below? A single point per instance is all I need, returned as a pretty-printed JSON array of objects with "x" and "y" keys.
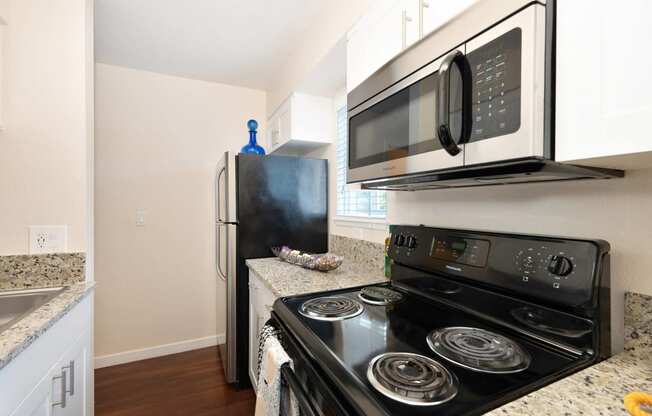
[{"x": 443, "y": 108}]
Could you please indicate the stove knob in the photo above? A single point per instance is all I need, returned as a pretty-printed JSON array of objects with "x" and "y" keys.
[
  {"x": 399, "y": 240},
  {"x": 560, "y": 266},
  {"x": 411, "y": 242}
]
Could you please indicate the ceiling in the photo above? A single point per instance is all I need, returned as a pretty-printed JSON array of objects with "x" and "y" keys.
[{"x": 229, "y": 41}]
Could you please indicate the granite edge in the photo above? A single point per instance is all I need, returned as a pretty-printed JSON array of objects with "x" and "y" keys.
[{"x": 23, "y": 333}]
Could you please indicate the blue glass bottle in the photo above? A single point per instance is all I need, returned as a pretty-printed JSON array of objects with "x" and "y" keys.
[{"x": 252, "y": 146}]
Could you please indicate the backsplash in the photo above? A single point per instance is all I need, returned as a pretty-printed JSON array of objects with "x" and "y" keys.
[
  {"x": 638, "y": 321},
  {"x": 367, "y": 254},
  {"x": 41, "y": 270}
]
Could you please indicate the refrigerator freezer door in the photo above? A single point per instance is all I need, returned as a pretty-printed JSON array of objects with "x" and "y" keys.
[
  {"x": 229, "y": 349},
  {"x": 282, "y": 201},
  {"x": 225, "y": 190}
]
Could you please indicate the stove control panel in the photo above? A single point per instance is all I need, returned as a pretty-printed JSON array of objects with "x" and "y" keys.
[
  {"x": 470, "y": 252},
  {"x": 553, "y": 269}
]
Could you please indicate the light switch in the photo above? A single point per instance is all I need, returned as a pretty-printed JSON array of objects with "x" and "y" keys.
[
  {"x": 140, "y": 218},
  {"x": 48, "y": 239}
]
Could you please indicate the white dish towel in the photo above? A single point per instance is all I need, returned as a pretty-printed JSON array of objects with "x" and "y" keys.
[{"x": 268, "y": 396}]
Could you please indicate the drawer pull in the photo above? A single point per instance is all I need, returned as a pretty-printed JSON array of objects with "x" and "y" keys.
[
  {"x": 64, "y": 380},
  {"x": 71, "y": 368}
]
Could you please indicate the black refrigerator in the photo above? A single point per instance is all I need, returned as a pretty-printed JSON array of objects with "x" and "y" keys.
[{"x": 262, "y": 202}]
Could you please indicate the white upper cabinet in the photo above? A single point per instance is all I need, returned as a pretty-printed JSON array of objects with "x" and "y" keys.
[
  {"x": 603, "y": 110},
  {"x": 388, "y": 27},
  {"x": 434, "y": 13},
  {"x": 301, "y": 123}
]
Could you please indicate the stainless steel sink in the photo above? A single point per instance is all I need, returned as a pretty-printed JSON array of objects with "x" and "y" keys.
[{"x": 16, "y": 304}]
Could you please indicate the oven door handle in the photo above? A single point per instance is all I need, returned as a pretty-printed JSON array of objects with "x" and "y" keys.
[
  {"x": 288, "y": 377},
  {"x": 443, "y": 108}
]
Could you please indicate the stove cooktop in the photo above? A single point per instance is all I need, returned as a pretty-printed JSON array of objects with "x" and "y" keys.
[
  {"x": 346, "y": 348},
  {"x": 470, "y": 321}
]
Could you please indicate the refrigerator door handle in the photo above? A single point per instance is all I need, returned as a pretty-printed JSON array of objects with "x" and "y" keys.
[
  {"x": 231, "y": 304},
  {"x": 218, "y": 239},
  {"x": 225, "y": 192},
  {"x": 221, "y": 170}
]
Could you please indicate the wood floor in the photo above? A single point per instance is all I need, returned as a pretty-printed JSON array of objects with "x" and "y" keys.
[{"x": 190, "y": 383}]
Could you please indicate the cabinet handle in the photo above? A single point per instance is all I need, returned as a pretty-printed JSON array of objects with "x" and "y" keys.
[
  {"x": 424, "y": 5},
  {"x": 71, "y": 369},
  {"x": 63, "y": 377},
  {"x": 404, "y": 20}
]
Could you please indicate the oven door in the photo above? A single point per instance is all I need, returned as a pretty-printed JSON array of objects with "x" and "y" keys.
[
  {"x": 395, "y": 133},
  {"x": 306, "y": 383},
  {"x": 508, "y": 68}
]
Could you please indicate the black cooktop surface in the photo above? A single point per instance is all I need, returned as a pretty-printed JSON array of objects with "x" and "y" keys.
[{"x": 344, "y": 349}]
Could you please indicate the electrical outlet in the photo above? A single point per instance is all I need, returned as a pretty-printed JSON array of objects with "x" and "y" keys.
[{"x": 48, "y": 239}]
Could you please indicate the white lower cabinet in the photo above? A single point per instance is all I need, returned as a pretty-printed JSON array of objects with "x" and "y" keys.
[
  {"x": 54, "y": 375},
  {"x": 261, "y": 301}
]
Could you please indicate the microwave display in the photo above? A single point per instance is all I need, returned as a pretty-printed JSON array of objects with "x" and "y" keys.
[
  {"x": 460, "y": 250},
  {"x": 496, "y": 72}
]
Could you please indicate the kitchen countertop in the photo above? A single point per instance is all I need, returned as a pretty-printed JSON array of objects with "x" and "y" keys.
[
  {"x": 599, "y": 389},
  {"x": 24, "y": 332},
  {"x": 285, "y": 279}
]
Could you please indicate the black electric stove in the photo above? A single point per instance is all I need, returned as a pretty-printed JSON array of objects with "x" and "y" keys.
[{"x": 469, "y": 321}]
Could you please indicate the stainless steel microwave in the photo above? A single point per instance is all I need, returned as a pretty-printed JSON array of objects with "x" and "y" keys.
[{"x": 470, "y": 104}]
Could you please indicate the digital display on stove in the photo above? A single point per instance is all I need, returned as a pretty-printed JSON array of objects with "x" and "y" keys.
[
  {"x": 460, "y": 250},
  {"x": 458, "y": 245}
]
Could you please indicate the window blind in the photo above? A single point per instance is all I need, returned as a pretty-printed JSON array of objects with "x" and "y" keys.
[{"x": 354, "y": 203}]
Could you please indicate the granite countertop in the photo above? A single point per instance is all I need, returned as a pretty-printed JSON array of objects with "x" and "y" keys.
[
  {"x": 285, "y": 279},
  {"x": 23, "y": 333},
  {"x": 599, "y": 389}
]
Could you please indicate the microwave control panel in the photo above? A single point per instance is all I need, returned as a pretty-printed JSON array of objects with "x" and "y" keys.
[{"x": 496, "y": 74}]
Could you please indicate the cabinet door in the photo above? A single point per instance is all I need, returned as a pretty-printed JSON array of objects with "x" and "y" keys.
[
  {"x": 603, "y": 110},
  {"x": 357, "y": 60},
  {"x": 274, "y": 132},
  {"x": 43, "y": 408},
  {"x": 253, "y": 331},
  {"x": 76, "y": 364},
  {"x": 410, "y": 22},
  {"x": 437, "y": 12},
  {"x": 40, "y": 401},
  {"x": 285, "y": 123},
  {"x": 386, "y": 37}
]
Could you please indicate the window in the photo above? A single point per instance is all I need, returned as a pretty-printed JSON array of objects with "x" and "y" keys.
[{"x": 354, "y": 203}]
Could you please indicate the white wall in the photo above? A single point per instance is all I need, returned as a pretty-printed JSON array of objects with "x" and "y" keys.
[
  {"x": 158, "y": 139},
  {"x": 334, "y": 22},
  {"x": 43, "y": 160},
  {"x": 617, "y": 210}
]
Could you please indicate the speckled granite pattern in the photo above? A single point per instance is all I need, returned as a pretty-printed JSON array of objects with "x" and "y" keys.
[
  {"x": 599, "y": 390},
  {"x": 22, "y": 334},
  {"x": 41, "y": 270},
  {"x": 366, "y": 254},
  {"x": 285, "y": 279}
]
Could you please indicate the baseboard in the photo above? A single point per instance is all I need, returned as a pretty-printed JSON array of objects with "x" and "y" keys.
[{"x": 157, "y": 351}]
